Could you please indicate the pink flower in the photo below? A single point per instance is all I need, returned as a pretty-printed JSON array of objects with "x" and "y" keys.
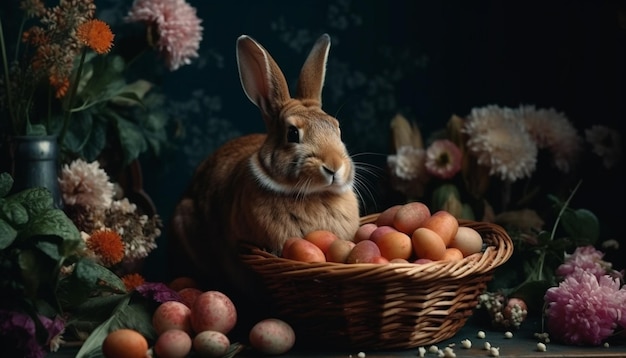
[
  {"x": 177, "y": 26},
  {"x": 443, "y": 159},
  {"x": 587, "y": 259},
  {"x": 585, "y": 309}
]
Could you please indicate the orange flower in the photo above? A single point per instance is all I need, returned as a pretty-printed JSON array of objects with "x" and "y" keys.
[
  {"x": 107, "y": 245},
  {"x": 132, "y": 280},
  {"x": 96, "y": 34}
]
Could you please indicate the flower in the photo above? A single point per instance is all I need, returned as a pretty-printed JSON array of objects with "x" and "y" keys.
[
  {"x": 552, "y": 130},
  {"x": 585, "y": 309},
  {"x": 18, "y": 334},
  {"x": 107, "y": 245},
  {"x": 443, "y": 159},
  {"x": 60, "y": 35},
  {"x": 606, "y": 143},
  {"x": 407, "y": 163},
  {"x": 86, "y": 184},
  {"x": 96, "y": 34},
  {"x": 500, "y": 141},
  {"x": 132, "y": 280},
  {"x": 158, "y": 292},
  {"x": 584, "y": 259},
  {"x": 176, "y": 25}
]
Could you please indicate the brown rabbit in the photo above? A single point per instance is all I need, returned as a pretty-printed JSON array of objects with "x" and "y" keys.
[{"x": 264, "y": 188}]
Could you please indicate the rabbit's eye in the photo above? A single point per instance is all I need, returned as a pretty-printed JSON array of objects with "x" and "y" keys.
[{"x": 293, "y": 134}]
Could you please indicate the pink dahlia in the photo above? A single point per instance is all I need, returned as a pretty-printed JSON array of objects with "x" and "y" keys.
[
  {"x": 584, "y": 258},
  {"x": 176, "y": 25},
  {"x": 443, "y": 159},
  {"x": 585, "y": 309}
]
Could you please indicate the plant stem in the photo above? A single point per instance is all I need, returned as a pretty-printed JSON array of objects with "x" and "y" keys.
[
  {"x": 7, "y": 83},
  {"x": 70, "y": 101},
  {"x": 556, "y": 224}
]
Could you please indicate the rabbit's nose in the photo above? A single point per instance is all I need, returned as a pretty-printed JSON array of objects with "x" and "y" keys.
[{"x": 328, "y": 171}]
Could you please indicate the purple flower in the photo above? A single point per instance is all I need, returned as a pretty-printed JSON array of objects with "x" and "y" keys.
[
  {"x": 18, "y": 333},
  {"x": 158, "y": 292},
  {"x": 585, "y": 309}
]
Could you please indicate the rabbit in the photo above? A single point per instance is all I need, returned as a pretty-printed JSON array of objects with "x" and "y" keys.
[{"x": 265, "y": 188}]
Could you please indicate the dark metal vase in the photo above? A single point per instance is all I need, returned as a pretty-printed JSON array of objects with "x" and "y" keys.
[{"x": 35, "y": 164}]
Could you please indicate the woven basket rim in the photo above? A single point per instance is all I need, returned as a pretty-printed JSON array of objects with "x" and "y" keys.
[{"x": 499, "y": 249}]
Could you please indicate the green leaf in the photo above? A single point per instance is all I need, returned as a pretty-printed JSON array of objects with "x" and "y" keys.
[
  {"x": 6, "y": 183},
  {"x": 55, "y": 223},
  {"x": 49, "y": 249},
  {"x": 36, "y": 200},
  {"x": 97, "y": 139},
  {"x": 95, "y": 309},
  {"x": 581, "y": 225},
  {"x": 7, "y": 234},
  {"x": 532, "y": 292},
  {"x": 95, "y": 276},
  {"x": 131, "y": 138},
  {"x": 129, "y": 314},
  {"x": 14, "y": 212}
]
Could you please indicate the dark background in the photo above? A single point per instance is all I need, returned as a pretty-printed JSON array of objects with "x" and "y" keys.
[{"x": 427, "y": 60}]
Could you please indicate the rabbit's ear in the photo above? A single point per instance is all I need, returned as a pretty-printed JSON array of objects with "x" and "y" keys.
[
  {"x": 313, "y": 71},
  {"x": 261, "y": 78}
]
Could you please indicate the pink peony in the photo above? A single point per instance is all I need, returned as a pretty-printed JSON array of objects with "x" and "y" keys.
[
  {"x": 585, "y": 258},
  {"x": 585, "y": 309},
  {"x": 443, "y": 159},
  {"x": 177, "y": 26}
]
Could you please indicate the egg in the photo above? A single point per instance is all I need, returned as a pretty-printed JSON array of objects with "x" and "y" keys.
[
  {"x": 272, "y": 336},
  {"x": 124, "y": 343},
  {"x": 467, "y": 240},
  {"x": 173, "y": 343},
  {"x": 211, "y": 344},
  {"x": 427, "y": 244}
]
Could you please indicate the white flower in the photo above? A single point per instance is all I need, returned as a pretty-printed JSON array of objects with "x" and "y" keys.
[
  {"x": 499, "y": 140},
  {"x": 408, "y": 163},
  {"x": 86, "y": 184},
  {"x": 551, "y": 130}
]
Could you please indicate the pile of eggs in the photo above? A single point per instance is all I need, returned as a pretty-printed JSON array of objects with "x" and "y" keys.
[{"x": 400, "y": 234}]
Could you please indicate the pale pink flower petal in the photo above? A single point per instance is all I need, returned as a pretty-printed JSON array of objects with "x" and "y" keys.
[
  {"x": 177, "y": 25},
  {"x": 86, "y": 184},
  {"x": 585, "y": 309},
  {"x": 443, "y": 159}
]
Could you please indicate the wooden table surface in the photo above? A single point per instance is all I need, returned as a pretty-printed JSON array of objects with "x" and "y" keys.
[{"x": 522, "y": 344}]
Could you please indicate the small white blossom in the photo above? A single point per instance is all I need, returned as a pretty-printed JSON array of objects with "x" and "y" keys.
[
  {"x": 408, "y": 163},
  {"x": 466, "y": 343}
]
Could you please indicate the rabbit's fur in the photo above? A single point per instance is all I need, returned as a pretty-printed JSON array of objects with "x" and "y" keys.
[{"x": 265, "y": 188}]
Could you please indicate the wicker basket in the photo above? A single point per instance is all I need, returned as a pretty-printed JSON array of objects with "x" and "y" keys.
[{"x": 374, "y": 306}]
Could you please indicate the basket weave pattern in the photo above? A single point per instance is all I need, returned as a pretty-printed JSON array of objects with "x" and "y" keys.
[{"x": 374, "y": 306}]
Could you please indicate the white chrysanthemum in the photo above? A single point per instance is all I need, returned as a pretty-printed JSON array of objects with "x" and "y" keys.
[
  {"x": 123, "y": 206},
  {"x": 408, "y": 163},
  {"x": 606, "y": 143},
  {"x": 552, "y": 130},
  {"x": 499, "y": 140},
  {"x": 86, "y": 184}
]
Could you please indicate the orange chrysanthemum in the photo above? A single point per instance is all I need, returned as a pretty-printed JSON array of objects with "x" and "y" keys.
[
  {"x": 96, "y": 34},
  {"x": 107, "y": 245},
  {"x": 132, "y": 280}
]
